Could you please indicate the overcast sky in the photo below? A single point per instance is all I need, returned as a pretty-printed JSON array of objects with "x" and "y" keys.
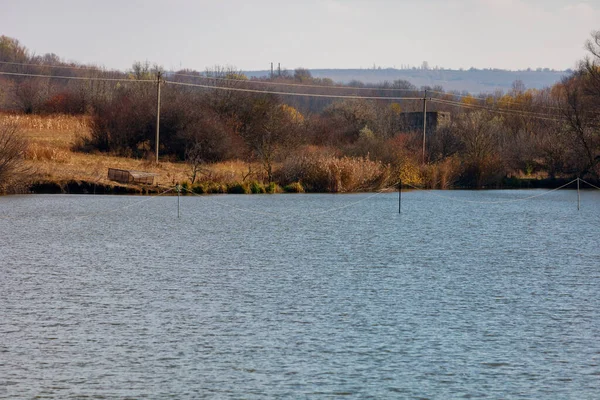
[{"x": 509, "y": 34}]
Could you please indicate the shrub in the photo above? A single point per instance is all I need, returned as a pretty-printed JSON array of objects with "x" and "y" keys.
[
  {"x": 323, "y": 173},
  {"x": 257, "y": 188},
  {"x": 273, "y": 188},
  {"x": 185, "y": 188},
  {"x": 238, "y": 188},
  {"x": 443, "y": 174},
  {"x": 199, "y": 189},
  {"x": 216, "y": 188},
  {"x": 12, "y": 151},
  {"x": 294, "y": 187}
]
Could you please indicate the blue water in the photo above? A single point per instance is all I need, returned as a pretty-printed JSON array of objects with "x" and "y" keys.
[{"x": 289, "y": 296}]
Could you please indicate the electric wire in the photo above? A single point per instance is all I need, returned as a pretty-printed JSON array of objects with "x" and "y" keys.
[
  {"x": 125, "y": 207},
  {"x": 257, "y": 82},
  {"x": 76, "y": 67},
  {"x": 281, "y": 215},
  {"x": 80, "y": 78},
  {"x": 548, "y": 117},
  {"x": 586, "y": 182},
  {"x": 331, "y": 96},
  {"x": 488, "y": 108},
  {"x": 489, "y": 202},
  {"x": 486, "y": 99},
  {"x": 355, "y": 97}
]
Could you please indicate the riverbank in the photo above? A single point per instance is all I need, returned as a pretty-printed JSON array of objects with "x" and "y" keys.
[{"x": 52, "y": 166}]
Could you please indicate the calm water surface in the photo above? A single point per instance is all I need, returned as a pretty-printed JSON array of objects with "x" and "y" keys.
[{"x": 309, "y": 296}]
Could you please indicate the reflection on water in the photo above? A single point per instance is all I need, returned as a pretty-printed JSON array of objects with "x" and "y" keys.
[{"x": 300, "y": 295}]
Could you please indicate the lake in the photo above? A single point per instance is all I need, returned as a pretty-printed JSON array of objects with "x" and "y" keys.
[{"x": 469, "y": 295}]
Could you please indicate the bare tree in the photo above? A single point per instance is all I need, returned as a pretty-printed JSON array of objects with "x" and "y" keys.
[
  {"x": 12, "y": 149},
  {"x": 591, "y": 65},
  {"x": 193, "y": 157}
]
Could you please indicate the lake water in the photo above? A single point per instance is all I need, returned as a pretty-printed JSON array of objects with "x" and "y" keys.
[{"x": 289, "y": 296}]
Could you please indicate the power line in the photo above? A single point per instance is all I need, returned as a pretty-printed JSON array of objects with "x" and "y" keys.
[
  {"x": 297, "y": 84},
  {"x": 252, "y": 82},
  {"x": 549, "y": 117},
  {"x": 442, "y": 101},
  {"x": 492, "y": 202},
  {"x": 81, "y": 67},
  {"x": 486, "y": 98},
  {"x": 80, "y": 78},
  {"x": 256, "y": 82},
  {"x": 331, "y": 96}
]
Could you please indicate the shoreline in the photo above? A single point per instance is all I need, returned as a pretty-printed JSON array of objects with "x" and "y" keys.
[{"x": 95, "y": 188}]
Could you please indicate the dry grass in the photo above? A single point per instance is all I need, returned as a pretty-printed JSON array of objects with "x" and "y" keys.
[
  {"x": 52, "y": 131},
  {"x": 326, "y": 173},
  {"x": 49, "y": 156}
]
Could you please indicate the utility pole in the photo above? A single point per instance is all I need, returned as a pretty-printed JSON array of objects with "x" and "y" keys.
[
  {"x": 158, "y": 76},
  {"x": 424, "y": 122},
  {"x": 271, "y": 71}
]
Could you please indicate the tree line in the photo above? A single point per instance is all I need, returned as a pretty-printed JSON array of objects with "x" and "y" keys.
[{"x": 311, "y": 131}]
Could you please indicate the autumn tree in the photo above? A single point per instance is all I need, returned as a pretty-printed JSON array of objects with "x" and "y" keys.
[
  {"x": 268, "y": 128},
  {"x": 580, "y": 102},
  {"x": 12, "y": 51},
  {"x": 479, "y": 134},
  {"x": 350, "y": 116},
  {"x": 302, "y": 75}
]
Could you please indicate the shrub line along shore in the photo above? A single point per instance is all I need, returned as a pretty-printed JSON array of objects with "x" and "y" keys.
[{"x": 51, "y": 166}]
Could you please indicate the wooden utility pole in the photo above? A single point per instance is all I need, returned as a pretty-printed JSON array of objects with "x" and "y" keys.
[
  {"x": 424, "y": 122},
  {"x": 158, "y": 76}
]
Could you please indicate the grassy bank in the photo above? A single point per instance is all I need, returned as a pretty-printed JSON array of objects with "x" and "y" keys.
[{"x": 52, "y": 166}]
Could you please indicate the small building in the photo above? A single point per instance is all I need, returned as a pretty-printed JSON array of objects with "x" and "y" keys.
[
  {"x": 413, "y": 121},
  {"x": 130, "y": 176}
]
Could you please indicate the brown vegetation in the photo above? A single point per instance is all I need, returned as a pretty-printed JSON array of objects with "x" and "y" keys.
[{"x": 222, "y": 139}]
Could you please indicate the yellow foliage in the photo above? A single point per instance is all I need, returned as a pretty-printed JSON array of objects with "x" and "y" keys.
[
  {"x": 506, "y": 101},
  {"x": 395, "y": 108},
  {"x": 236, "y": 76},
  {"x": 469, "y": 100},
  {"x": 409, "y": 173},
  {"x": 293, "y": 114}
]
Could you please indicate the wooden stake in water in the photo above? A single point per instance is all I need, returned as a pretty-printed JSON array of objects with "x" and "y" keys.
[
  {"x": 578, "y": 196},
  {"x": 178, "y": 200},
  {"x": 400, "y": 197}
]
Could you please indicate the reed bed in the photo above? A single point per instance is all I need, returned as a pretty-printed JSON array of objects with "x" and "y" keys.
[{"x": 54, "y": 122}]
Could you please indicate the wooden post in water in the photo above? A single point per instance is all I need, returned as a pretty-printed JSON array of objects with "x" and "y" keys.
[
  {"x": 178, "y": 200},
  {"x": 578, "y": 196},
  {"x": 400, "y": 197}
]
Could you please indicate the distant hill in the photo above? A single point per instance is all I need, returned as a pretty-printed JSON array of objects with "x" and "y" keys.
[{"x": 474, "y": 81}]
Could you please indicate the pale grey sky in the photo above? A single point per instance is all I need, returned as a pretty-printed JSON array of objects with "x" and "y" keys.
[{"x": 510, "y": 34}]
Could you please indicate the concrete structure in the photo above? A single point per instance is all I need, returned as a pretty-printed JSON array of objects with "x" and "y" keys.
[
  {"x": 413, "y": 121},
  {"x": 130, "y": 176}
]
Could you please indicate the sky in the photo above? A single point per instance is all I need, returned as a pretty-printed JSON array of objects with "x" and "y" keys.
[{"x": 249, "y": 35}]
